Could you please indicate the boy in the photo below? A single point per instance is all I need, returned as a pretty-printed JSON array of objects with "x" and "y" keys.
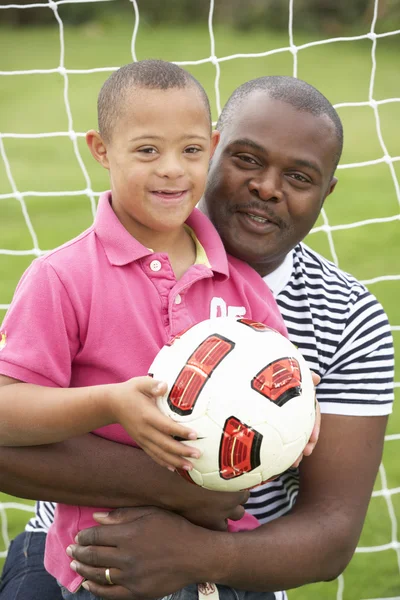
[{"x": 88, "y": 318}]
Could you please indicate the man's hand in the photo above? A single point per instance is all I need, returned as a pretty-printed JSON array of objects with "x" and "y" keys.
[
  {"x": 312, "y": 442},
  {"x": 157, "y": 563},
  {"x": 212, "y": 509}
]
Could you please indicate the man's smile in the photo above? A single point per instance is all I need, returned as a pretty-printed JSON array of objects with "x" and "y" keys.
[{"x": 258, "y": 216}]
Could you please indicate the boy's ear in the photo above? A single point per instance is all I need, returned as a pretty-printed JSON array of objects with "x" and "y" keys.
[
  {"x": 97, "y": 147},
  {"x": 214, "y": 141}
]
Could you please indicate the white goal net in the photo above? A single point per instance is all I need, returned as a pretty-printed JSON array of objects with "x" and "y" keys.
[{"x": 359, "y": 230}]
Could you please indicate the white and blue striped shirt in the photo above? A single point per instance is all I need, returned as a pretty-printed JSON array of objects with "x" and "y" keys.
[{"x": 344, "y": 335}]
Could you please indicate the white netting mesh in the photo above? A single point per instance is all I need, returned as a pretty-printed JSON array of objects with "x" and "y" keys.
[{"x": 390, "y": 495}]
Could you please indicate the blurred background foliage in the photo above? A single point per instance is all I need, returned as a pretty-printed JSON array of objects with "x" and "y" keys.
[{"x": 330, "y": 17}]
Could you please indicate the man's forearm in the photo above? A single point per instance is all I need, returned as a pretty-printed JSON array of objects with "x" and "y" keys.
[
  {"x": 92, "y": 471},
  {"x": 87, "y": 470},
  {"x": 289, "y": 552}
]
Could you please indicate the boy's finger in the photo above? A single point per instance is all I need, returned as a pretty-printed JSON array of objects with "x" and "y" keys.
[
  {"x": 151, "y": 387},
  {"x": 171, "y": 446},
  {"x": 160, "y": 388},
  {"x": 180, "y": 431},
  {"x": 166, "y": 459},
  {"x": 168, "y": 426}
]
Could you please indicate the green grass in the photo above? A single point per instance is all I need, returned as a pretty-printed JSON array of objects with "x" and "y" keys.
[{"x": 34, "y": 103}]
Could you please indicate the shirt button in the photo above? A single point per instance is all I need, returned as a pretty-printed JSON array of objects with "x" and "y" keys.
[
  {"x": 178, "y": 299},
  {"x": 155, "y": 265}
]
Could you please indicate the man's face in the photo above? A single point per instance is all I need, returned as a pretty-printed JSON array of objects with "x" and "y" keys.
[{"x": 268, "y": 179}]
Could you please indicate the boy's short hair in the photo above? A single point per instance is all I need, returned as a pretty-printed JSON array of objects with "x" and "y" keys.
[{"x": 151, "y": 74}]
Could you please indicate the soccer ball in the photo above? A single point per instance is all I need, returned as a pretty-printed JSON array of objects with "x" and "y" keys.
[{"x": 247, "y": 392}]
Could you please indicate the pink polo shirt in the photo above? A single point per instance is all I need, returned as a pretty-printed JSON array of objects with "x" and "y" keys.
[{"x": 99, "y": 308}]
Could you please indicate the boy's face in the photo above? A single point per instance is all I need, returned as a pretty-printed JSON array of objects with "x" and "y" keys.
[{"x": 158, "y": 158}]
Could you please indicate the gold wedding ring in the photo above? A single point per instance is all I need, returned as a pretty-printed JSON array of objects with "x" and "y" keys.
[{"x": 108, "y": 577}]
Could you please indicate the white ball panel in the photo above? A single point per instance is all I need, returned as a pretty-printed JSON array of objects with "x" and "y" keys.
[
  {"x": 208, "y": 444},
  {"x": 196, "y": 477},
  {"x": 289, "y": 454},
  {"x": 213, "y": 481}
]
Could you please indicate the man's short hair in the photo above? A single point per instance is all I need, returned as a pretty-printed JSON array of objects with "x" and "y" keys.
[
  {"x": 151, "y": 74},
  {"x": 299, "y": 94}
]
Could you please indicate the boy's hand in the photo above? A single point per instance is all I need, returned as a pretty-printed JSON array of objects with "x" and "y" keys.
[{"x": 134, "y": 407}]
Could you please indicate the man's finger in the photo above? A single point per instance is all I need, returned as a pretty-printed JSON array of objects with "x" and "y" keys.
[
  {"x": 316, "y": 378},
  {"x": 109, "y": 592},
  {"x": 94, "y": 535},
  {"x": 97, "y": 582},
  {"x": 297, "y": 462},
  {"x": 94, "y": 556},
  {"x": 95, "y": 574},
  {"x": 98, "y": 537},
  {"x": 315, "y": 432}
]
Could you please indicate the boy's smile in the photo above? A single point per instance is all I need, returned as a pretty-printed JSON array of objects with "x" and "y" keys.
[
  {"x": 170, "y": 196},
  {"x": 157, "y": 155}
]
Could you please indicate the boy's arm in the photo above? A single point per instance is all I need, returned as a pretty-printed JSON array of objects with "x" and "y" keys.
[{"x": 32, "y": 414}]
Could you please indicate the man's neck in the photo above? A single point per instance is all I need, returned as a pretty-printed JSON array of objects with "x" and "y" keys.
[{"x": 279, "y": 277}]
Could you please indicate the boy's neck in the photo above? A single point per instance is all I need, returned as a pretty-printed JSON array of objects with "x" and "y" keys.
[
  {"x": 181, "y": 253},
  {"x": 179, "y": 246}
]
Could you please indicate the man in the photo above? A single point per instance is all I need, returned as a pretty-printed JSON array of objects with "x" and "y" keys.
[{"x": 280, "y": 143}]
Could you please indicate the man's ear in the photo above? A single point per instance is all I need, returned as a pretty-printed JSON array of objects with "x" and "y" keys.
[
  {"x": 214, "y": 141},
  {"x": 97, "y": 147},
  {"x": 331, "y": 187}
]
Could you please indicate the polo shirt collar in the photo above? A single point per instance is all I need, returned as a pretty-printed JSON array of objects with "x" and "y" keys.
[
  {"x": 121, "y": 248},
  {"x": 209, "y": 238}
]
